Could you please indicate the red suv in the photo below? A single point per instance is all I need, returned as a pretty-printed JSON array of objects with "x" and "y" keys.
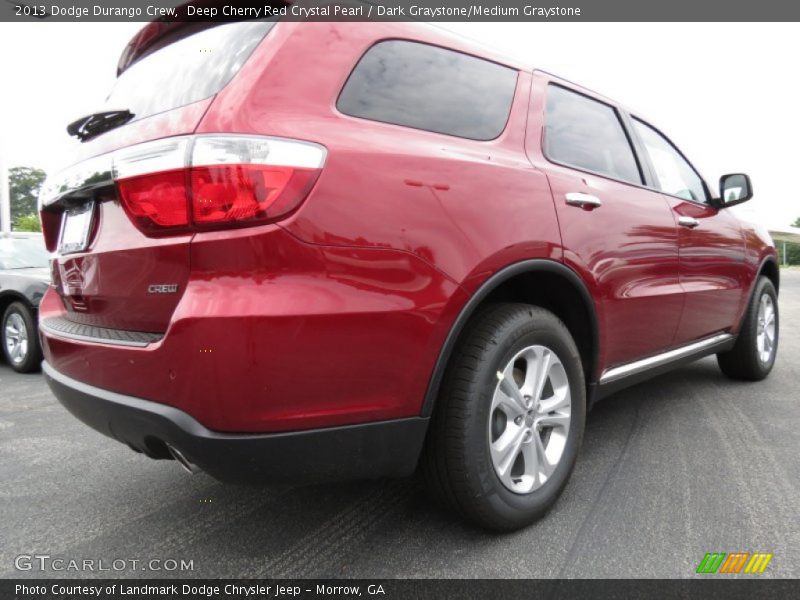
[{"x": 318, "y": 251}]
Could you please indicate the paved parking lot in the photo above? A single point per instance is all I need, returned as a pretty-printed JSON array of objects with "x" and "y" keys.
[{"x": 673, "y": 468}]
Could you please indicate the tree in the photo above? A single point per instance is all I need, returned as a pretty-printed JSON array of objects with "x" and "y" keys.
[
  {"x": 792, "y": 256},
  {"x": 28, "y": 223},
  {"x": 796, "y": 222},
  {"x": 23, "y": 187}
]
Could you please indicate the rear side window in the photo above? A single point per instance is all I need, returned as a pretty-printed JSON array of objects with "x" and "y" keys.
[
  {"x": 586, "y": 134},
  {"x": 187, "y": 70},
  {"x": 426, "y": 87}
]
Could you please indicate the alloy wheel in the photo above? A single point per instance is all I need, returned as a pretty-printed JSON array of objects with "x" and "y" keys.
[
  {"x": 16, "y": 338},
  {"x": 765, "y": 334},
  {"x": 529, "y": 419}
]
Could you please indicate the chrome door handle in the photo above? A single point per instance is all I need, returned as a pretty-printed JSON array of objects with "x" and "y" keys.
[
  {"x": 584, "y": 201},
  {"x": 689, "y": 222}
]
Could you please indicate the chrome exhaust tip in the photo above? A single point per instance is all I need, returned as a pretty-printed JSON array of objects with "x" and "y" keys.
[{"x": 182, "y": 460}]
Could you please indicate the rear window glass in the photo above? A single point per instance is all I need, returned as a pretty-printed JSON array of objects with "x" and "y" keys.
[
  {"x": 188, "y": 70},
  {"x": 426, "y": 87}
]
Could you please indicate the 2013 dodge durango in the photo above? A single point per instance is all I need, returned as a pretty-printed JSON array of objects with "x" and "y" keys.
[{"x": 318, "y": 251}]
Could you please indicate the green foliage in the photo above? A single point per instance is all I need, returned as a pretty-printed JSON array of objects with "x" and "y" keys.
[
  {"x": 796, "y": 222},
  {"x": 23, "y": 188},
  {"x": 792, "y": 253},
  {"x": 27, "y": 223}
]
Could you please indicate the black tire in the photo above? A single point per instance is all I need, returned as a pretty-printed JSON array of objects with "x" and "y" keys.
[
  {"x": 744, "y": 361},
  {"x": 32, "y": 359},
  {"x": 456, "y": 463}
]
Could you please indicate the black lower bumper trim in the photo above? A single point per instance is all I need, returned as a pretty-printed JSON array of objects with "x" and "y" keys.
[
  {"x": 61, "y": 327},
  {"x": 381, "y": 449}
]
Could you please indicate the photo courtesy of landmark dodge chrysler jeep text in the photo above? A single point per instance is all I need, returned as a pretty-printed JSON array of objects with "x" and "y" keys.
[{"x": 325, "y": 251}]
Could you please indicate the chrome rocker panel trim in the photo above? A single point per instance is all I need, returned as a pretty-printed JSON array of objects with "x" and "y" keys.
[{"x": 617, "y": 378}]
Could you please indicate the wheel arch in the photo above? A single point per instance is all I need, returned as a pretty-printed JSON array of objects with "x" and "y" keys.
[
  {"x": 769, "y": 268},
  {"x": 9, "y": 297},
  {"x": 542, "y": 282}
]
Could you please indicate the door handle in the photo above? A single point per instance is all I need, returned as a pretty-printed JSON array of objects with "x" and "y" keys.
[
  {"x": 584, "y": 201},
  {"x": 689, "y": 222}
]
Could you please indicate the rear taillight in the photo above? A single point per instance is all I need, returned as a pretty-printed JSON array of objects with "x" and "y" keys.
[
  {"x": 246, "y": 193},
  {"x": 212, "y": 182},
  {"x": 156, "y": 202}
]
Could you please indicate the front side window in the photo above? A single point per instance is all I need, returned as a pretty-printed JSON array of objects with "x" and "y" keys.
[
  {"x": 674, "y": 173},
  {"x": 427, "y": 87},
  {"x": 586, "y": 134}
]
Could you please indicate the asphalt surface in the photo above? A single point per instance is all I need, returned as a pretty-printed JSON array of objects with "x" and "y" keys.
[{"x": 685, "y": 464}]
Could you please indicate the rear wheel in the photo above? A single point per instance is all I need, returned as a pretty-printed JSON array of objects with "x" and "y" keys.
[
  {"x": 509, "y": 420},
  {"x": 20, "y": 340},
  {"x": 753, "y": 356}
]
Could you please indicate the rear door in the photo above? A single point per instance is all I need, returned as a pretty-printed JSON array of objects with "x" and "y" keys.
[
  {"x": 617, "y": 234},
  {"x": 713, "y": 272}
]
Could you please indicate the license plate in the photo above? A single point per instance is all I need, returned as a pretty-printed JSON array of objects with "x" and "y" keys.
[{"x": 76, "y": 228}]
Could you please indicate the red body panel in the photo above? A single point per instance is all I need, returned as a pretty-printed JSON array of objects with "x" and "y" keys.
[
  {"x": 108, "y": 286},
  {"x": 714, "y": 272},
  {"x": 338, "y": 313},
  {"x": 274, "y": 334},
  {"x": 452, "y": 202}
]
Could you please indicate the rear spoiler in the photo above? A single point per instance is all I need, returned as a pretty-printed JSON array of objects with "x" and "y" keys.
[{"x": 163, "y": 31}]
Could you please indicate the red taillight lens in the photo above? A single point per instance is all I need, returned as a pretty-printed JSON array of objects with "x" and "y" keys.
[
  {"x": 247, "y": 193},
  {"x": 214, "y": 181},
  {"x": 156, "y": 201}
]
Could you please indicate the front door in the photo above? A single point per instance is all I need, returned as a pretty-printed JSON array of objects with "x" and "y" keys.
[{"x": 712, "y": 255}]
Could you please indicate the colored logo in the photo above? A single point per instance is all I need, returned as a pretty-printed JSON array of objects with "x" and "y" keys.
[{"x": 734, "y": 563}]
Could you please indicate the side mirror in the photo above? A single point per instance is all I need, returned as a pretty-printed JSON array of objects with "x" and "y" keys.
[{"x": 734, "y": 189}]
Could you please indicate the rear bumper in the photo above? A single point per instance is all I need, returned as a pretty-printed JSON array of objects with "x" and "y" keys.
[
  {"x": 269, "y": 334},
  {"x": 380, "y": 449}
]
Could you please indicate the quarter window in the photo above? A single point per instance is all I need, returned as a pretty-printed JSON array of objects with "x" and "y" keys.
[
  {"x": 426, "y": 87},
  {"x": 674, "y": 173},
  {"x": 586, "y": 134}
]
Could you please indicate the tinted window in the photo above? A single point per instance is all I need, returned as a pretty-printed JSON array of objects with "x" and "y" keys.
[
  {"x": 586, "y": 134},
  {"x": 187, "y": 70},
  {"x": 674, "y": 173},
  {"x": 425, "y": 87}
]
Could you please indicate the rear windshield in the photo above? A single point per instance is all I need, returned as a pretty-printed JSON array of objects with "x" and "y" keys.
[{"x": 188, "y": 70}]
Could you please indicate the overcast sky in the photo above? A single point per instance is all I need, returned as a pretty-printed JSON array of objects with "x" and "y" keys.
[{"x": 726, "y": 94}]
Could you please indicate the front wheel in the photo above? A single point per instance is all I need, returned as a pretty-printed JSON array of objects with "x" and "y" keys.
[
  {"x": 20, "y": 339},
  {"x": 509, "y": 420},
  {"x": 753, "y": 356}
]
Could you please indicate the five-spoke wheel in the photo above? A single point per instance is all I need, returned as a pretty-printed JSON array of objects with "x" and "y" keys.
[
  {"x": 766, "y": 327},
  {"x": 20, "y": 341},
  {"x": 753, "y": 356},
  {"x": 529, "y": 421},
  {"x": 509, "y": 420}
]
